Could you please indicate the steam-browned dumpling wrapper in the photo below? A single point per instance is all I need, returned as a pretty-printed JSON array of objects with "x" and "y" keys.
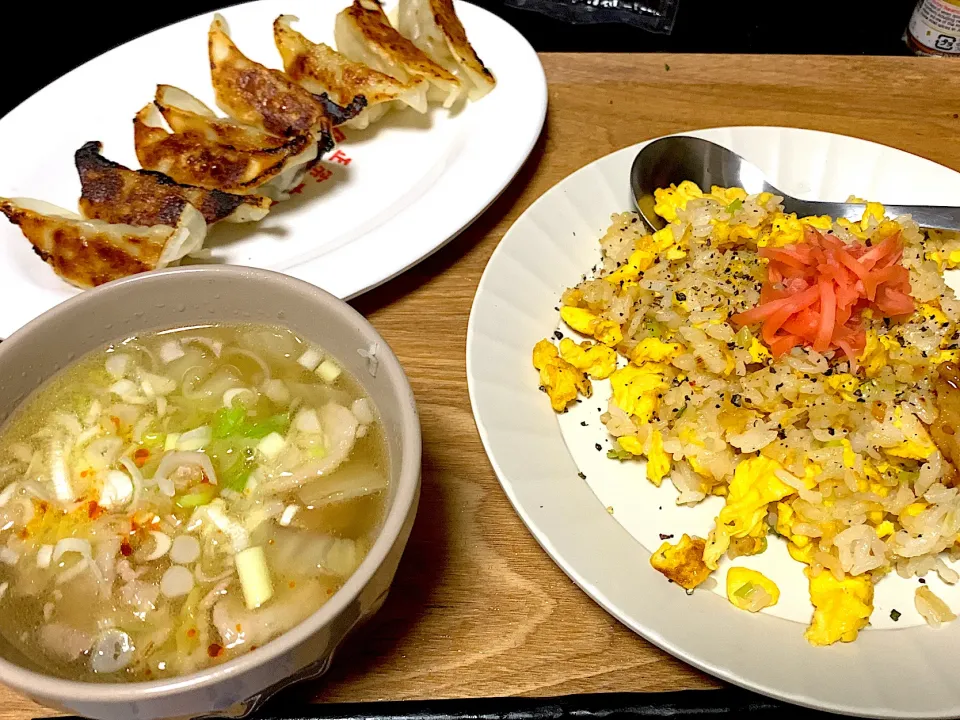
[
  {"x": 364, "y": 34},
  {"x": 116, "y": 194},
  {"x": 433, "y": 26},
  {"x": 322, "y": 70},
  {"x": 193, "y": 158},
  {"x": 260, "y": 96},
  {"x": 185, "y": 113},
  {"x": 88, "y": 253}
]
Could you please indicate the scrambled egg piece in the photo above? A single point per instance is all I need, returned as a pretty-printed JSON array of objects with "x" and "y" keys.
[
  {"x": 841, "y": 607},
  {"x": 751, "y": 590},
  {"x": 844, "y": 385},
  {"x": 662, "y": 242},
  {"x": 787, "y": 229},
  {"x": 560, "y": 379},
  {"x": 639, "y": 261},
  {"x": 873, "y": 210},
  {"x": 820, "y": 222},
  {"x": 884, "y": 529},
  {"x": 918, "y": 445},
  {"x": 945, "y": 260},
  {"x": 932, "y": 312},
  {"x": 669, "y": 200},
  {"x": 737, "y": 234},
  {"x": 876, "y": 353},
  {"x": 653, "y": 350},
  {"x": 914, "y": 509},
  {"x": 586, "y": 323},
  {"x": 658, "y": 461},
  {"x": 598, "y": 361},
  {"x": 683, "y": 562},
  {"x": 849, "y": 456},
  {"x": 799, "y": 546},
  {"x": 949, "y": 257},
  {"x": 754, "y": 486},
  {"x": 636, "y": 389},
  {"x": 758, "y": 351}
]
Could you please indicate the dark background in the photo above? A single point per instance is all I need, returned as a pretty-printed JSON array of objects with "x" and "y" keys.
[{"x": 71, "y": 33}]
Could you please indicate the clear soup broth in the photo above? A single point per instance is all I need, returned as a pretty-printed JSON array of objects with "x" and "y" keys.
[{"x": 181, "y": 498}]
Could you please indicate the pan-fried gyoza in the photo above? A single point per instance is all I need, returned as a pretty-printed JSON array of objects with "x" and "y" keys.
[
  {"x": 116, "y": 194},
  {"x": 88, "y": 253}
]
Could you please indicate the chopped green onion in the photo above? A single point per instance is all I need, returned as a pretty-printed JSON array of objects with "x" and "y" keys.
[
  {"x": 229, "y": 420},
  {"x": 735, "y": 206},
  {"x": 744, "y": 591},
  {"x": 201, "y": 495},
  {"x": 654, "y": 328},
  {"x": 681, "y": 412},
  {"x": 317, "y": 452},
  {"x": 153, "y": 439},
  {"x": 906, "y": 477},
  {"x": 274, "y": 424},
  {"x": 236, "y": 475},
  {"x": 619, "y": 454}
]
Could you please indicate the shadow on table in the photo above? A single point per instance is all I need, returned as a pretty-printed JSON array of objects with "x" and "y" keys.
[{"x": 447, "y": 256}]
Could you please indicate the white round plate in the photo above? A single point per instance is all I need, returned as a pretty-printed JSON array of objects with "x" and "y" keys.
[
  {"x": 396, "y": 192},
  {"x": 602, "y": 529}
]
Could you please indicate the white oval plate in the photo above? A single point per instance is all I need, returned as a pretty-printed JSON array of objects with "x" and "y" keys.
[
  {"x": 410, "y": 183},
  {"x": 602, "y": 530}
]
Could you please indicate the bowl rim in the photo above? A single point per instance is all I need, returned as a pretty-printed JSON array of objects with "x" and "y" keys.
[{"x": 111, "y": 693}]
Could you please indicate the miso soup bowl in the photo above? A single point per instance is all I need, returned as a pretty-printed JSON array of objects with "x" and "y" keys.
[{"x": 201, "y": 295}]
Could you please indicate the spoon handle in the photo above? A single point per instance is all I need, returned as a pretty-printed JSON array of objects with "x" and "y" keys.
[{"x": 928, "y": 216}]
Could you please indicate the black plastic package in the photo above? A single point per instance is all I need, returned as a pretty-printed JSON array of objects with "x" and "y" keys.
[{"x": 653, "y": 15}]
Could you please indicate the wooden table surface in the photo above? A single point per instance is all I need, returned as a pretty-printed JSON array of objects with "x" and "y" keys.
[{"x": 478, "y": 609}]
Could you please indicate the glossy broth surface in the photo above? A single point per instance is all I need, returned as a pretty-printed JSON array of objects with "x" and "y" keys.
[{"x": 180, "y": 498}]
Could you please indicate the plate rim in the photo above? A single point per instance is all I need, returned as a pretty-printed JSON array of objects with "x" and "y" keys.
[{"x": 542, "y": 536}]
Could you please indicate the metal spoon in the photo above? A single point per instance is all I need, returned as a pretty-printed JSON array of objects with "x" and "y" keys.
[{"x": 675, "y": 159}]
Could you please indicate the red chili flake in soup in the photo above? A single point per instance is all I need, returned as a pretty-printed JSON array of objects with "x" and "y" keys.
[
  {"x": 214, "y": 650},
  {"x": 140, "y": 457}
]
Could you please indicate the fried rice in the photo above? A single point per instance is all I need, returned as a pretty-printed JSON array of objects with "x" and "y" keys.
[{"x": 842, "y": 457}]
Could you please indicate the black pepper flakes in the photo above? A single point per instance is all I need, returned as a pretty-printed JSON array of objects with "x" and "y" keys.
[
  {"x": 923, "y": 581},
  {"x": 665, "y": 537},
  {"x": 598, "y": 447},
  {"x": 583, "y": 423},
  {"x": 895, "y": 615},
  {"x": 581, "y": 476},
  {"x": 558, "y": 335}
]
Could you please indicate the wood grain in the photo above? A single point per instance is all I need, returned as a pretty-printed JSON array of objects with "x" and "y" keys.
[{"x": 478, "y": 608}]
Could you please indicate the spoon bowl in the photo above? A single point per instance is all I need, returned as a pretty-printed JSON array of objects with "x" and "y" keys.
[{"x": 672, "y": 160}]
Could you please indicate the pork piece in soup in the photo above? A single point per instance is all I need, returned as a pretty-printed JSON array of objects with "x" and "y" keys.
[{"x": 180, "y": 498}]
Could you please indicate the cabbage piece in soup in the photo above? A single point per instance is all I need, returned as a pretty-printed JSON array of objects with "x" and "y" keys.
[{"x": 180, "y": 498}]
